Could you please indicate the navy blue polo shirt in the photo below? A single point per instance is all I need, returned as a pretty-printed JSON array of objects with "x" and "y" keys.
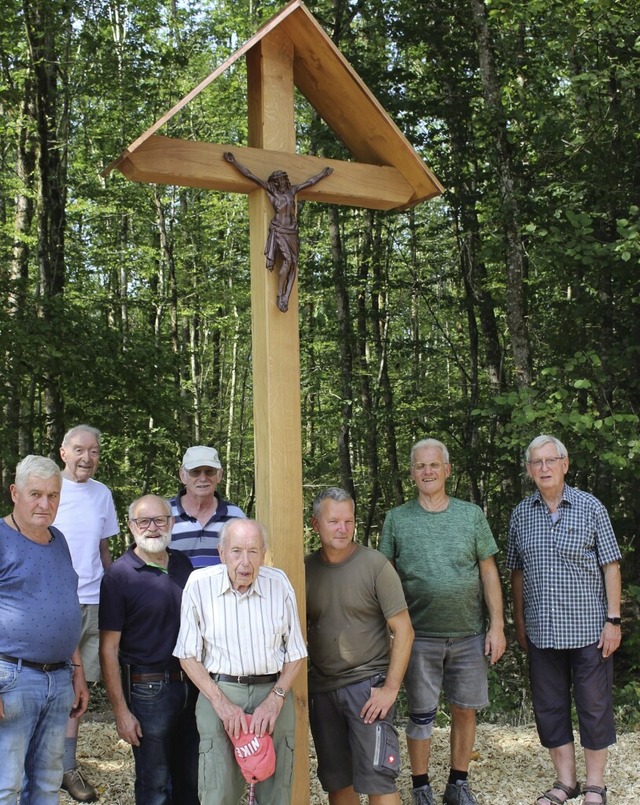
[{"x": 142, "y": 602}]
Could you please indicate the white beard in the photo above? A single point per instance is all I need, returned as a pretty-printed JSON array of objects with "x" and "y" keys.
[{"x": 154, "y": 544}]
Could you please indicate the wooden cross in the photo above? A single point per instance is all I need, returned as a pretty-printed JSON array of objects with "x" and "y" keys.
[{"x": 290, "y": 50}]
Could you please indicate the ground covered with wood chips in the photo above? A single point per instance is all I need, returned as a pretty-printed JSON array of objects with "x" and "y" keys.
[{"x": 509, "y": 766}]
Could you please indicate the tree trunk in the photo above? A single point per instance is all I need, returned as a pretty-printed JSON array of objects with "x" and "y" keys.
[
  {"x": 346, "y": 352},
  {"x": 17, "y": 297},
  {"x": 379, "y": 316},
  {"x": 511, "y": 218},
  {"x": 370, "y": 429},
  {"x": 43, "y": 21}
]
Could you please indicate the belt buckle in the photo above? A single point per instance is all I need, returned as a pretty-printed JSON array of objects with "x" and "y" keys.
[
  {"x": 46, "y": 666},
  {"x": 239, "y": 680}
]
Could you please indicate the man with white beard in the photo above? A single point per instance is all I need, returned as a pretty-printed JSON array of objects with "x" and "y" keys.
[{"x": 152, "y": 699}]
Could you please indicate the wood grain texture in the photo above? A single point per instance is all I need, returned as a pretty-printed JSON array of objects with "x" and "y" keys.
[{"x": 276, "y": 364}]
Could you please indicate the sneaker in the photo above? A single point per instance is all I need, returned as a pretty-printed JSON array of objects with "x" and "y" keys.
[
  {"x": 423, "y": 795},
  {"x": 459, "y": 794},
  {"x": 77, "y": 787}
]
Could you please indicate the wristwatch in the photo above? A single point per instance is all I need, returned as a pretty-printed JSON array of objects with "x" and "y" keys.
[
  {"x": 614, "y": 621},
  {"x": 281, "y": 692}
]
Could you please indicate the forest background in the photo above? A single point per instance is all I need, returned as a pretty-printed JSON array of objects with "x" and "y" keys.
[{"x": 506, "y": 308}]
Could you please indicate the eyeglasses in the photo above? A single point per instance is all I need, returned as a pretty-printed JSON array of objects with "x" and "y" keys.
[
  {"x": 208, "y": 471},
  {"x": 435, "y": 466},
  {"x": 550, "y": 462},
  {"x": 145, "y": 522}
]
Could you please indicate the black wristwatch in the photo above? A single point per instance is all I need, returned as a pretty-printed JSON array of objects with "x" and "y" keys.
[{"x": 614, "y": 621}]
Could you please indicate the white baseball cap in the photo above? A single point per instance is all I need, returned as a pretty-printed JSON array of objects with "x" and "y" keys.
[{"x": 201, "y": 456}]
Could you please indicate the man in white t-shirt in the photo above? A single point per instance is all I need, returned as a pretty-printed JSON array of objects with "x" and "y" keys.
[{"x": 87, "y": 518}]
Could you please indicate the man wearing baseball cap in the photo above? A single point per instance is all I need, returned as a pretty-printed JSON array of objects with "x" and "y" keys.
[{"x": 198, "y": 510}]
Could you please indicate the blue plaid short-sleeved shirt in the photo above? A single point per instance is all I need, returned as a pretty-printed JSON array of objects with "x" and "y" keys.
[{"x": 564, "y": 595}]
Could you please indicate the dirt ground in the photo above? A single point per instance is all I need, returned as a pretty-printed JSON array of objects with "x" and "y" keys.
[{"x": 509, "y": 766}]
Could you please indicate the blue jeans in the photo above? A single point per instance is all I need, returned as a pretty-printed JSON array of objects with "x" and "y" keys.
[
  {"x": 167, "y": 758},
  {"x": 36, "y": 709}
]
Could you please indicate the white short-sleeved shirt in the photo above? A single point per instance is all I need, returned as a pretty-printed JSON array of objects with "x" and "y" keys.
[{"x": 86, "y": 515}]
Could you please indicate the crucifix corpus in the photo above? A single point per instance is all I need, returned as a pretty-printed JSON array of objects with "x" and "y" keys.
[
  {"x": 283, "y": 241},
  {"x": 290, "y": 50}
]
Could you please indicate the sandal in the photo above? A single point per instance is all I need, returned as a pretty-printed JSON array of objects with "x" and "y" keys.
[
  {"x": 571, "y": 793},
  {"x": 595, "y": 789}
]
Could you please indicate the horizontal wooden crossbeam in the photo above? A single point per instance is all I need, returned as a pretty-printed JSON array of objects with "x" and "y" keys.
[{"x": 166, "y": 160}]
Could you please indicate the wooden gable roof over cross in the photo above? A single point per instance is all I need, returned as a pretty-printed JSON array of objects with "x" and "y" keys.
[{"x": 387, "y": 174}]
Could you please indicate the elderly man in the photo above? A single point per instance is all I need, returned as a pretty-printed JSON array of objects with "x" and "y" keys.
[
  {"x": 87, "y": 518},
  {"x": 564, "y": 559},
  {"x": 240, "y": 642},
  {"x": 41, "y": 675},
  {"x": 198, "y": 510},
  {"x": 444, "y": 552},
  {"x": 153, "y": 702},
  {"x": 355, "y": 604}
]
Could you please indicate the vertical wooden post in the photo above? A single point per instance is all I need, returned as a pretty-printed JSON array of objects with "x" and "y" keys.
[{"x": 276, "y": 359}]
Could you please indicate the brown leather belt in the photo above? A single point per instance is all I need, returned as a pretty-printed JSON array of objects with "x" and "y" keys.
[
  {"x": 39, "y": 666},
  {"x": 173, "y": 676},
  {"x": 245, "y": 680}
]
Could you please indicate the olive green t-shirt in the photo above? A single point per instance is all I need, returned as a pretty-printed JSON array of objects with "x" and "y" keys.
[
  {"x": 436, "y": 555},
  {"x": 348, "y": 605}
]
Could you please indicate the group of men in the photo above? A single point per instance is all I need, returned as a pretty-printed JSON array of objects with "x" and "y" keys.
[{"x": 191, "y": 660}]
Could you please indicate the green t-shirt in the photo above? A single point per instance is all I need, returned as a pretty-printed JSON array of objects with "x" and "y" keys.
[
  {"x": 348, "y": 605},
  {"x": 436, "y": 555}
]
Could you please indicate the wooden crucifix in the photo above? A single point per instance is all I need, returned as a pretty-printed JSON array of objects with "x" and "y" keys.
[
  {"x": 290, "y": 50},
  {"x": 283, "y": 241}
]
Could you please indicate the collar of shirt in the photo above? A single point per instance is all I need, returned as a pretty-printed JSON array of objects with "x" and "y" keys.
[{"x": 567, "y": 496}]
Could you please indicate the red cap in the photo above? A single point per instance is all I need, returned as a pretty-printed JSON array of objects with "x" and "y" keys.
[{"x": 256, "y": 756}]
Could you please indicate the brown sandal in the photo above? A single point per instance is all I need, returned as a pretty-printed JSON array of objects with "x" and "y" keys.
[
  {"x": 595, "y": 789},
  {"x": 571, "y": 793}
]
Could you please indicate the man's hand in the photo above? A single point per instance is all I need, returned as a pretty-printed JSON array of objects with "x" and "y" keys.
[
  {"x": 233, "y": 718},
  {"x": 128, "y": 727},
  {"x": 378, "y": 704},
  {"x": 610, "y": 637},
  {"x": 264, "y": 717},
  {"x": 521, "y": 635},
  {"x": 495, "y": 644},
  {"x": 81, "y": 693}
]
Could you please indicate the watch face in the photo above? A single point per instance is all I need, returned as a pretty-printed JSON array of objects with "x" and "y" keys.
[{"x": 279, "y": 692}]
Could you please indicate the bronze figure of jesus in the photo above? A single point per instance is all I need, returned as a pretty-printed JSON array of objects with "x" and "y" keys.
[{"x": 283, "y": 240}]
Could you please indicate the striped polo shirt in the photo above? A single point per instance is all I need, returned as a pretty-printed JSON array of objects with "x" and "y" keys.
[{"x": 198, "y": 542}]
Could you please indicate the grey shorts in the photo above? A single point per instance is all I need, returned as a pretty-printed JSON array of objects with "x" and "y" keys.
[
  {"x": 350, "y": 752},
  {"x": 457, "y": 665},
  {"x": 90, "y": 642}
]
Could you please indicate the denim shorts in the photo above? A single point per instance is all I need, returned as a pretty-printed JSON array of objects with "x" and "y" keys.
[
  {"x": 457, "y": 665},
  {"x": 350, "y": 752}
]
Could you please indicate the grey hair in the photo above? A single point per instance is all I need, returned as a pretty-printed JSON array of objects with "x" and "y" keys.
[
  {"x": 540, "y": 441},
  {"x": 81, "y": 429},
  {"x": 132, "y": 508},
  {"x": 430, "y": 443},
  {"x": 236, "y": 521},
  {"x": 331, "y": 493},
  {"x": 39, "y": 466}
]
